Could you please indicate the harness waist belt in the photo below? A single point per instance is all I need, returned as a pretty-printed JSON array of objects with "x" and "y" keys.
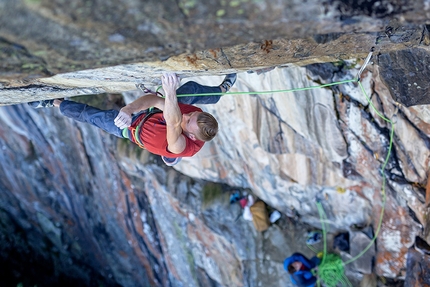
[{"x": 127, "y": 133}]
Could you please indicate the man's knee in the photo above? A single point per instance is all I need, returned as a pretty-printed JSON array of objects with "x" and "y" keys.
[
  {"x": 187, "y": 88},
  {"x": 71, "y": 109}
]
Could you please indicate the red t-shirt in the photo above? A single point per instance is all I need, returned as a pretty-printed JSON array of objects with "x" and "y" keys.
[{"x": 153, "y": 134}]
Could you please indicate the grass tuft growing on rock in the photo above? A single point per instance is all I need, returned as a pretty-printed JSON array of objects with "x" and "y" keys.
[{"x": 212, "y": 193}]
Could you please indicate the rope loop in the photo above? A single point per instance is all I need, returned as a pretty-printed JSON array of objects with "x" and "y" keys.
[{"x": 331, "y": 271}]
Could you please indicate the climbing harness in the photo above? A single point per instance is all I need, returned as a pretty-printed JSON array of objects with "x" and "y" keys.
[{"x": 135, "y": 135}]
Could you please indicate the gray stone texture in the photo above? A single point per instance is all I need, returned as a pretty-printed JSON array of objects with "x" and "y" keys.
[
  {"x": 407, "y": 74},
  {"x": 100, "y": 209},
  {"x": 418, "y": 272},
  {"x": 101, "y": 46}
]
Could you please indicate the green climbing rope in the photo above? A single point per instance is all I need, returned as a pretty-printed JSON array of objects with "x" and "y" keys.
[
  {"x": 268, "y": 92},
  {"x": 331, "y": 270},
  {"x": 383, "y": 177}
]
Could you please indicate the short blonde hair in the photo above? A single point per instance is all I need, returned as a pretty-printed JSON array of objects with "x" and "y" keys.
[{"x": 208, "y": 126}]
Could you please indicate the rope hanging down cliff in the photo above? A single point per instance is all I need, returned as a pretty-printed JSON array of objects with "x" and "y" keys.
[{"x": 331, "y": 270}]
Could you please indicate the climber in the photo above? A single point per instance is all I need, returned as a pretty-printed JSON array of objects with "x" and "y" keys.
[
  {"x": 173, "y": 129},
  {"x": 300, "y": 269}
]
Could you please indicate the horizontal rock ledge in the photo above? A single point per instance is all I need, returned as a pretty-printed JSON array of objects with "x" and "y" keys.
[{"x": 244, "y": 57}]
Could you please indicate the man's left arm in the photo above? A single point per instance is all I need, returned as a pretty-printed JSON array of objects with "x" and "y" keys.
[
  {"x": 172, "y": 114},
  {"x": 124, "y": 117}
]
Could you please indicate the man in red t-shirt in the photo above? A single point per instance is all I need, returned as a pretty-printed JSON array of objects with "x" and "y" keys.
[
  {"x": 177, "y": 130},
  {"x": 152, "y": 132}
]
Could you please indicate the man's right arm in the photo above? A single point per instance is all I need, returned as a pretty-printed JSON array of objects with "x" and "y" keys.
[
  {"x": 123, "y": 120},
  {"x": 176, "y": 142}
]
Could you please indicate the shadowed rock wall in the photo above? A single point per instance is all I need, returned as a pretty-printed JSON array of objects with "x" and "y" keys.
[{"x": 406, "y": 73}]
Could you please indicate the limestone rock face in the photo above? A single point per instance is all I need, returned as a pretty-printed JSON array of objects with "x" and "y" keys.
[
  {"x": 100, "y": 211},
  {"x": 79, "y": 204},
  {"x": 325, "y": 145},
  {"x": 100, "y": 202}
]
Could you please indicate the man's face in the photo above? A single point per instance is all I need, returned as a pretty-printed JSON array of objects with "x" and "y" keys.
[
  {"x": 297, "y": 265},
  {"x": 189, "y": 124}
]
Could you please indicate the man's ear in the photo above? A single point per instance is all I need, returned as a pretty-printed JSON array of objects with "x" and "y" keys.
[{"x": 192, "y": 136}]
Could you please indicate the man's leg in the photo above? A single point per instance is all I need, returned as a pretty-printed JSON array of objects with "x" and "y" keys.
[
  {"x": 195, "y": 88},
  {"x": 84, "y": 113},
  {"x": 87, "y": 114}
]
